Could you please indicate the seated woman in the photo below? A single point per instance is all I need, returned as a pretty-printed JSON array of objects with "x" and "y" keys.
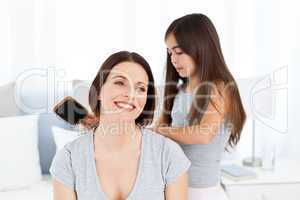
[{"x": 120, "y": 159}]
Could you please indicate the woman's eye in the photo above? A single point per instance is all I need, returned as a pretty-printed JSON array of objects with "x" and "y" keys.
[
  {"x": 179, "y": 52},
  {"x": 119, "y": 83},
  {"x": 141, "y": 89}
]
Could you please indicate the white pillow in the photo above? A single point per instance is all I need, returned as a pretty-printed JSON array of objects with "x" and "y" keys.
[
  {"x": 8, "y": 104},
  {"x": 63, "y": 136},
  {"x": 19, "y": 156}
]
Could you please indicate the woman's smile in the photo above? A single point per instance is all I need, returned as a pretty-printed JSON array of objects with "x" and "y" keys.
[{"x": 125, "y": 105}]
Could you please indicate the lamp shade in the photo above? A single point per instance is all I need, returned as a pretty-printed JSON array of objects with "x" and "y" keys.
[{"x": 257, "y": 97}]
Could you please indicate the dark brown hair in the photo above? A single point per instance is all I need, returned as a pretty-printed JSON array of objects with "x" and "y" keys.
[
  {"x": 197, "y": 37},
  {"x": 146, "y": 116}
]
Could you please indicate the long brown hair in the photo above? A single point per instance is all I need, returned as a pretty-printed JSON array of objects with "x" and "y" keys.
[
  {"x": 146, "y": 116},
  {"x": 196, "y": 36}
]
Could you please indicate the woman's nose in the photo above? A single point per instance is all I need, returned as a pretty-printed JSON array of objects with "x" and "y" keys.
[
  {"x": 173, "y": 59},
  {"x": 128, "y": 92}
]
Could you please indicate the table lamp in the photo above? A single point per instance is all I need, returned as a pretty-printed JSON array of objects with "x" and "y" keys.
[{"x": 256, "y": 94}]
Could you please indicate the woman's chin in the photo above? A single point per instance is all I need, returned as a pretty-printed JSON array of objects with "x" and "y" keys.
[{"x": 182, "y": 74}]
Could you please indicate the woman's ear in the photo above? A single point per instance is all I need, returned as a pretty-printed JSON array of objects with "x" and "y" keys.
[{"x": 99, "y": 98}]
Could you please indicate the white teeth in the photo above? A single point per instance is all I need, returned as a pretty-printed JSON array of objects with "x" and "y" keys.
[{"x": 124, "y": 105}]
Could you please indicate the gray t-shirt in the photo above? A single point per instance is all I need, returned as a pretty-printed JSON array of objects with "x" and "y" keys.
[
  {"x": 161, "y": 161},
  {"x": 205, "y": 170}
]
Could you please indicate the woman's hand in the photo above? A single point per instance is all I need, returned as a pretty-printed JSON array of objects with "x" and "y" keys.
[
  {"x": 154, "y": 129},
  {"x": 90, "y": 121}
]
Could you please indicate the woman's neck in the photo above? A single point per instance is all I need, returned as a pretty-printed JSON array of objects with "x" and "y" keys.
[
  {"x": 192, "y": 84},
  {"x": 117, "y": 136}
]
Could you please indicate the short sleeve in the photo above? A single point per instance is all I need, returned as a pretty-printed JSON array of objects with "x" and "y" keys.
[
  {"x": 175, "y": 162},
  {"x": 61, "y": 168}
]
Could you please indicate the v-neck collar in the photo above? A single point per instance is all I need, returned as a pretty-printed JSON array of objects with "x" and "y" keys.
[{"x": 94, "y": 169}]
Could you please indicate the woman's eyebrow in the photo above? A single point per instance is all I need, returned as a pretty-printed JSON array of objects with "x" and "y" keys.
[
  {"x": 175, "y": 47},
  {"x": 119, "y": 76},
  {"x": 123, "y": 77},
  {"x": 142, "y": 83}
]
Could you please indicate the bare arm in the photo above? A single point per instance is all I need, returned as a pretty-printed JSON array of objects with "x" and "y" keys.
[
  {"x": 177, "y": 190},
  {"x": 203, "y": 132},
  {"x": 62, "y": 192}
]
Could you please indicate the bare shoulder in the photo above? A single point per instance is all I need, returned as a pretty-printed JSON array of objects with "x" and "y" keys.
[{"x": 219, "y": 97}]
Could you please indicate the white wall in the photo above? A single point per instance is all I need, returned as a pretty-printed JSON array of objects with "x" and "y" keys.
[
  {"x": 293, "y": 31},
  {"x": 257, "y": 37},
  {"x": 5, "y": 41}
]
